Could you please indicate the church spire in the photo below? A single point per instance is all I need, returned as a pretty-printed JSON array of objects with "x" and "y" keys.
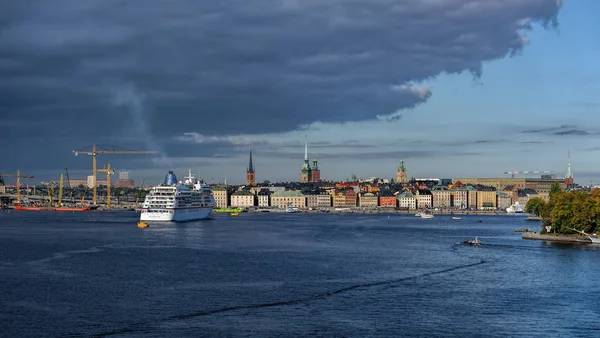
[
  {"x": 250, "y": 166},
  {"x": 306, "y": 149},
  {"x": 569, "y": 171}
]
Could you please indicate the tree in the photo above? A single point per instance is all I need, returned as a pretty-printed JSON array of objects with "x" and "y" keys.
[
  {"x": 555, "y": 189},
  {"x": 574, "y": 209},
  {"x": 535, "y": 206}
]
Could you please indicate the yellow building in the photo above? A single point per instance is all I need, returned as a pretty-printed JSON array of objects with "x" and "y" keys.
[
  {"x": 498, "y": 183},
  {"x": 284, "y": 199},
  {"x": 221, "y": 196},
  {"x": 368, "y": 200},
  {"x": 441, "y": 197},
  {"x": 242, "y": 199},
  {"x": 486, "y": 198}
]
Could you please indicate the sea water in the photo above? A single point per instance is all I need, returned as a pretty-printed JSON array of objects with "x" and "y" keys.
[{"x": 290, "y": 275}]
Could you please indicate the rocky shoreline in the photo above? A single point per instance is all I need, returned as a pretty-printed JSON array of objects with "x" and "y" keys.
[{"x": 555, "y": 238}]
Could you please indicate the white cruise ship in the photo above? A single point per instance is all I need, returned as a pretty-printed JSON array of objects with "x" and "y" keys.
[
  {"x": 177, "y": 202},
  {"x": 516, "y": 208}
]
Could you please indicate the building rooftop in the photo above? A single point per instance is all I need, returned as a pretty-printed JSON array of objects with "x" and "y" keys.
[
  {"x": 288, "y": 193},
  {"x": 242, "y": 193}
]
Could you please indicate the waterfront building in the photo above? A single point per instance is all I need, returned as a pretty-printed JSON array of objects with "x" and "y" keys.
[
  {"x": 522, "y": 197},
  {"x": 544, "y": 184},
  {"x": 264, "y": 197},
  {"x": 125, "y": 183},
  {"x": 283, "y": 199},
  {"x": 458, "y": 195},
  {"x": 318, "y": 199},
  {"x": 406, "y": 200},
  {"x": 538, "y": 184},
  {"x": 545, "y": 195},
  {"x": 511, "y": 191},
  {"x": 498, "y": 183},
  {"x": 401, "y": 173},
  {"x": 387, "y": 199},
  {"x": 368, "y": 200},
  {"x": 345, "y": 197},
  {"x": 471, "y": 197},
  {"x": 486, "y": 198},
  {"x": 242, "y": 199},
  {"x": 221, "y": 196},
  {"x": 441, "y": 196},
  {"x": 504, "y": 200},
  {"x": 250, "y": 175},
  {"x": 424, "y": 198}
]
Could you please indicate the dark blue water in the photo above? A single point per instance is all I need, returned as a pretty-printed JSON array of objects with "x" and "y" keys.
[{"x": 288, "y": 275}]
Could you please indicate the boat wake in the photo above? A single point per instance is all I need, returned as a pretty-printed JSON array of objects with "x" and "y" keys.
[{"x": 145, "y": 327}]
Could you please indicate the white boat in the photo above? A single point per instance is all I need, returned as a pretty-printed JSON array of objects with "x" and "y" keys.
[
  {"x": 178, "y": 202},
  {"x": 426, "y": 215},
  {"x": 516, "y": 208},
  {"x": 418, "y": 214},
  {"x": 455, "y": 217}
]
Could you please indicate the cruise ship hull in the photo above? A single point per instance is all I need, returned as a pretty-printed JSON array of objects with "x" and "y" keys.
[{"x": 178, "y": 215}]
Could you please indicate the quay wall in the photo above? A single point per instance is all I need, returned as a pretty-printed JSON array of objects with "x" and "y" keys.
[{"x": 552, "y": 238}]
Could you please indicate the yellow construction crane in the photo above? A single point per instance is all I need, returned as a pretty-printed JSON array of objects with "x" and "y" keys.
[
  {"x": 19, "y": 177},
  {"x": 140, "y": 192},
  {"x": 95, "y": 151},
  {"x": 60, "y": 191},
  {"x": 108, "y": 172}
]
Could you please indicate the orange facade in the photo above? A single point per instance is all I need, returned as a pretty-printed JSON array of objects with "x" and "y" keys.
[{"x": 388, "y": 201}]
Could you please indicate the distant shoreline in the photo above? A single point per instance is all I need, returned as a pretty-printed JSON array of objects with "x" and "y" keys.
[{"x": 393, "y": 211}]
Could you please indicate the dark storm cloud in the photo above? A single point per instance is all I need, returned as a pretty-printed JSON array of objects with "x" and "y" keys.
[
  {"x": 77, "y": 72},
  {"x": 563, "y": 130}
]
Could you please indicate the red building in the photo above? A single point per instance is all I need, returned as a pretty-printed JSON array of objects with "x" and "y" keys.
[{"x": 387, "y": 200}]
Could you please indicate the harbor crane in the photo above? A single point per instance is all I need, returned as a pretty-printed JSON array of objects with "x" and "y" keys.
[
  {"x": 95, "y": 152},
  {"x": 19, "y": 177},
  {"x": 527, "y": 172},
  {"x": 108, "y": 172}
]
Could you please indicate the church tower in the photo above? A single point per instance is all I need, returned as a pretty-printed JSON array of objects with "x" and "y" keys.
[
  {"x": 569, "y": 171},
  {"x": 250, "y": 178},
  {"x": 316, "y": 173},
  {"x": 306, "y": 173},
  {"x": 401, "y": 173}
]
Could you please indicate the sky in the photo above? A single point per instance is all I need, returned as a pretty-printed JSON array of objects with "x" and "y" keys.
[{"x": 455, "y": 88}]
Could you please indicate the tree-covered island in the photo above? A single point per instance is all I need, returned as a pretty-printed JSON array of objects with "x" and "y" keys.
[{"x": 567, "y": 210}]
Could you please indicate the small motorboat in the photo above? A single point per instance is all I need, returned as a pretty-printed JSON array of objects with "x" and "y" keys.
[
  {"x": 234, "y": 214},
  {"x": 479, "y": 221},
  {"x": 142, "y": 225},
  {"x": 456, "y": 217},
  {"x": 473, "y": 242}
]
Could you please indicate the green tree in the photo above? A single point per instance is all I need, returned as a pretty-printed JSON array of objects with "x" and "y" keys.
[
  {"x": 535, "y": 206},
  {"x": 555, "y": 189},
  {"x": 574, "y": 209}
]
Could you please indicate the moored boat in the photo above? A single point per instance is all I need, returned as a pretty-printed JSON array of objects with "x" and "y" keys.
[
  {"x": 72, "y": 209},
  {"x": 229, "y": 210},
  {"x": 456, "y": 217},
  {"x": 19, "y": 207},
  {"x": 516, "y": 208}
]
